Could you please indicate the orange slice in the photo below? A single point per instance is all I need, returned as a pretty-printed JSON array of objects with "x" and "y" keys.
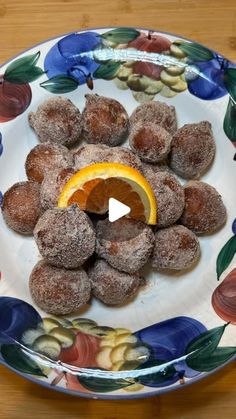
[{"x": 92, "y": 186}]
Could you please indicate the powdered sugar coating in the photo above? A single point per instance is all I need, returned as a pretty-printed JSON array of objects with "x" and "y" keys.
[
  {"x": 111, "y": 286},
  {"x": 169, "y": 195},
  {"x": 52, "y": 186},
  {"x": 149, "y": 169},
  {"x": 100, "y": 153},
  {"x": 59, "y": 290},
  {"x": 46, "y": 157},
  {"x": 192, "y": 150},
  {"x": 65, "y": 237},
  {"x": 21, "y": 206},
  {"x": 151, "y": 142},
  {"x": 105, "y": 121},
  {"x": 204, "y": 209},
  {"x": 125, "y": 244},
  {"x": 176, "y": 247},
  {"x": 155, "y": 112},
  {"x": 58, "y": 121}
]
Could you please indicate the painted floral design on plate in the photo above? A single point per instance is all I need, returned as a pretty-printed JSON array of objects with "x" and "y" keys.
[
  {"x": 62, "y": 350},
  {"x": 78, "y": 354},
  {"x": 146, "y": 63}
]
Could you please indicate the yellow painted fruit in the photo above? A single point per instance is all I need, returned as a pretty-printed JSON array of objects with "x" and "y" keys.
[
  {"x": 142, "y": 97},
  {"x": 47, "y": 345},
  {"x": 65, "y": 336},
  {"x": 118, "y": 352},
  {"x": 103, "y": 358},
  {"x": 49, "y": 324},
  {"x": 133, "y": 387}
]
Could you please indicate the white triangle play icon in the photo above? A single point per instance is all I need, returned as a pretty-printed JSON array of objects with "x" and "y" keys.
[{"x": 117, "y": 209}]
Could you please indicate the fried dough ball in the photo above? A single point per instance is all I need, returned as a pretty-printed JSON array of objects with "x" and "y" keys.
[
  {"x": 111, "y": 286},
  {"x": 176, "y": 247},
  {"x": 65, "y": 237},
  {"x": 169, "y": 195},
  {"x": 57, "y": 121},
  {"x": 125, "y": 244},
  {"x": 204, "y": 209},
  {"x": 46, "y": 157},
  {"x": 151, "y": 142},
  {"x": 149, "y": 169},
  {"x": 99, "y": 153},
  {"x": 21, "y": 206},
  {"x": 192, "y": 150},
  {"x": 58, "y": 290},
  {"x": 157, "y": 113},
  {"x": 105, "y": 121},
  {"x": 52, "y": 186}
]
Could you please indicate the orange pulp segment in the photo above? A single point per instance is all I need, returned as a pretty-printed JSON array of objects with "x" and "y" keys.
[{"x": 92, "y": 186}]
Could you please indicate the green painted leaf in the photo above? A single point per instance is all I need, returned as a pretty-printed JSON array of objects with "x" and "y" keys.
[
  {"x": 203, "y": 361},
  {"x": 196, "y": 52},
  {"x": 24, "y": 70},
  {"x": 230, "y": 82},
  {"x": 204, "y": 354},
  {"x": 121, "y": 35},
  {"x": 60, "y": 84},
  {"x": 208, "y": 340},
  {"x": 107, "y": 71},
  {"x": 225, "y": 256},
  {"x": 14, "y": 357},
  {"x": 230, "y": 121},
  {"x": 156, "y": 377},
  {"x": 23, "y": 75},
  {"x": 28, "y": 61},
  {"x": 103, "y": 385}
]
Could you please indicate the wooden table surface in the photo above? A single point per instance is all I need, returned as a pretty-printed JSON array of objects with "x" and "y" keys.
[{"x": 27, "y": 22}]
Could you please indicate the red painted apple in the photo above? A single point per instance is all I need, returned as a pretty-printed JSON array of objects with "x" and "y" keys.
[
  {"x": 14, "y": 99},
  {"x": 150, "y": 43},
  {"x": 224, "y": 298},
  {"x": 83, "y": 352}
]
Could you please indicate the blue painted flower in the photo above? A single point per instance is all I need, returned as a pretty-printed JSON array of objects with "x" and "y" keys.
[
  {"x": 1, "y": 198},
  {"x": 168, "y": 341},
  {"x": 1, "y": 146},
  {"x": 234, "y": 226},
  {"x": 210, "y": 84},
  {"x": 16, "y": 316},
  {"x": 64, "y": 57}
]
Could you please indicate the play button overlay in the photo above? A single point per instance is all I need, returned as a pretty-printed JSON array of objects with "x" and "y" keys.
[{"x": 117, "y": 210}]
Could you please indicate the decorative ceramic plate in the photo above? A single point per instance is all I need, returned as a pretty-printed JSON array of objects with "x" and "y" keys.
[{"x": 180, "y": 327}]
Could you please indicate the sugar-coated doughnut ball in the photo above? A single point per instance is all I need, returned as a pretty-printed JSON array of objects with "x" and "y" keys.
[
  {"x": 105, "y": 121},
  {"x": 192, "y": 150},
  {"x": 204, "y": 209},
  {"x": 47, "y": 157},
  {"x": 111, "y": 286},
  {"x": 176, "y": 247},
  {"x": 155, "y": 112},
  {"x": 169, "y": 195},
  {"x": 21, "y": 206},
  {"x": 149, "y": 169},
  {"x": 150, "y": 141},
  {"x": 52, "y": 186},
  {"x": 58, "y": 121},
  {"x": 58, "y": 290},
  {"x": 125, "y": 244},
  {"x": 65, "y": 237},
  {"x": 99, "y": 153}
]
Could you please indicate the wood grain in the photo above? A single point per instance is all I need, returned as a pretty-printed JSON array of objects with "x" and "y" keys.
[
  {"x": 27, "y": 22},
  {"x": 212, "y": 398}
]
